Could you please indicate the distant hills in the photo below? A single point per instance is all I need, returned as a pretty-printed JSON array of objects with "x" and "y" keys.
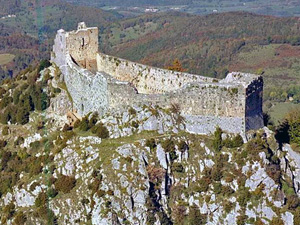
[
  {"x": 207, "y": 45},
  {"x": 202, "y": 7},
  {"x": 30, "y": 32}
]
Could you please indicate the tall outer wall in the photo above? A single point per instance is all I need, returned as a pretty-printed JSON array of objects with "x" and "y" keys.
[
  {"x": 146, "y": 79},
  {"x": 254, "y": 102},
  {"x": 89, "y": 92}
]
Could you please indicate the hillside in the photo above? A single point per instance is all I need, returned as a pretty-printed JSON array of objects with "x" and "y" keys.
[
  {"x": 29, "y": 35},
  {"x": 137, "y": 166},
  {"x": 202, "y": 7}
]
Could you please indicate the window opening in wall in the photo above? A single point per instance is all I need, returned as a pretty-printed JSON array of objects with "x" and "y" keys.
[
  {"x": 60, "y": 38},
  {"x": 82, "y": 42},
  {"x": 82, "y": 107}
]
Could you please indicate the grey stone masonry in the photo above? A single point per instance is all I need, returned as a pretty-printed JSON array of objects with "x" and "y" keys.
[{"x": 102, "y": 83}]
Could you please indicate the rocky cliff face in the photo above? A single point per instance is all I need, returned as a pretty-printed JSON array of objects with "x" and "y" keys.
[{"x": 148, "y": 170}]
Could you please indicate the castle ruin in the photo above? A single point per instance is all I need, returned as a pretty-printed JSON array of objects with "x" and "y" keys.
[{"x": 102, "y": 83}]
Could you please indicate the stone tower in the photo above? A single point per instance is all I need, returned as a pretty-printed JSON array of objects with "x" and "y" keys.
[{"x": 81, "y": 45}]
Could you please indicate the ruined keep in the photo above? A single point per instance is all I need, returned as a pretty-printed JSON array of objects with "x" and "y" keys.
[{"x": 102, "y": 83}]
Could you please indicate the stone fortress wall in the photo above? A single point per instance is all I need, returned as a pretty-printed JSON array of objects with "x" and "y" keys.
[{"x": 102, "y": 83}]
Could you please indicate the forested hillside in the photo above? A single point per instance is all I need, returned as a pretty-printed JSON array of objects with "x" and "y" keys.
[
  {"x": 200, "y": 7},
  {"x": 206, "y": 45},
  {"x": 29, "y": 35}
]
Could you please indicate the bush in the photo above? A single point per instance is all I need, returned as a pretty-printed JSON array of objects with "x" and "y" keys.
[
  {"x": 3, "y": 143},
  {"x": 41, "y": 200},
  {"x": 22, "y": 116},
  {"x": 5, "y": 157},
  {"x": 84, "y": 124},
  {"x": 217, "y": 141},
  {"x": 168, "y": 145},
  {"x": 44, "y": 64},
  {"x": 20, "y": 218},
  {"x": 5, "y": 130},
  {"x": 151, "y": 143},
  {"x": 237, "y": 141},
  {"x": 9, "y": 210},
  {"x": 52, "y": 192},
  {"x": 293, "y": 202},
  {"x": 202, "y": 185},
  {"x": 101, "y": 131},
  {"x": 132, "y": 111},
  {"x": 177, "y": 167},
  {"x": 244, "y": 197},
  {"x": 134, "y": 124},
  {"x": 195, "y": 217},
  {"x": 65, "y": 183},
  {"x": 183, "y": 146}
]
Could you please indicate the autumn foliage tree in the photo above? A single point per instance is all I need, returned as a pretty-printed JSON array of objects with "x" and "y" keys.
[{"x": 177, "y": 66}]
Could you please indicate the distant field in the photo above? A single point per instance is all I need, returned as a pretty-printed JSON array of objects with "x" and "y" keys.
[
  {"x": 6, "y": 58},
  {"x": 279, "y": 63},
  {"x": 279, "y": 111}
]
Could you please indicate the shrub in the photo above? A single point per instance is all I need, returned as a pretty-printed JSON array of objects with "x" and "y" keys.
[
  {"x": 237, "y": 141},
  {"x": 2, "y": 92},
  {"x": 3, "y": 143},
  {"x": 44, "y": 64},
  {"x": 168, "y": 145},
  {"x": 101, "y": 131},
  {"x": 94, "y": 186},
  {"x": 173, "y": 155},
  {"x": 41, "y": 200},
  {"x": 5, "y": 101},
  {"x": 183, "y": 146},
  {"x": 241, "y": 219},
  {"x": 277, "y": 221},
  {"x": 22, "y": 116},
  {"x": 5, "y": 157},
  {"x": 35, "y": 167},
  {"x": 19, "y": 141},
  {"x": 134, "y": 124},
  {"x": 93, "y": 120},
  {"x": 65, "y": 183},
  {"x": 52, "y": 192},
  {"x": 84, "y": 124},
  {"x": 244, "y": 197},
  {"x": 195, "y": 217},
  {"x": 151, "y": 143},
  {"x": 20, "y": 218},
  {"x": 217, "y": 141},
  {"x": 179, "y": 214},
  {"x": 293, "y": 202},
  {"x": 217, "y": 188},
  {"x": 202, "y": 185},
  {"x": 227, "y": 190},
  {"x": 9, "y": 210},
  {"x": 132, "y": 111},
  {"x": 216, "y": 173},
  {"x": 177, "y": 167},
  {"x": 5, "y": 130}
]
